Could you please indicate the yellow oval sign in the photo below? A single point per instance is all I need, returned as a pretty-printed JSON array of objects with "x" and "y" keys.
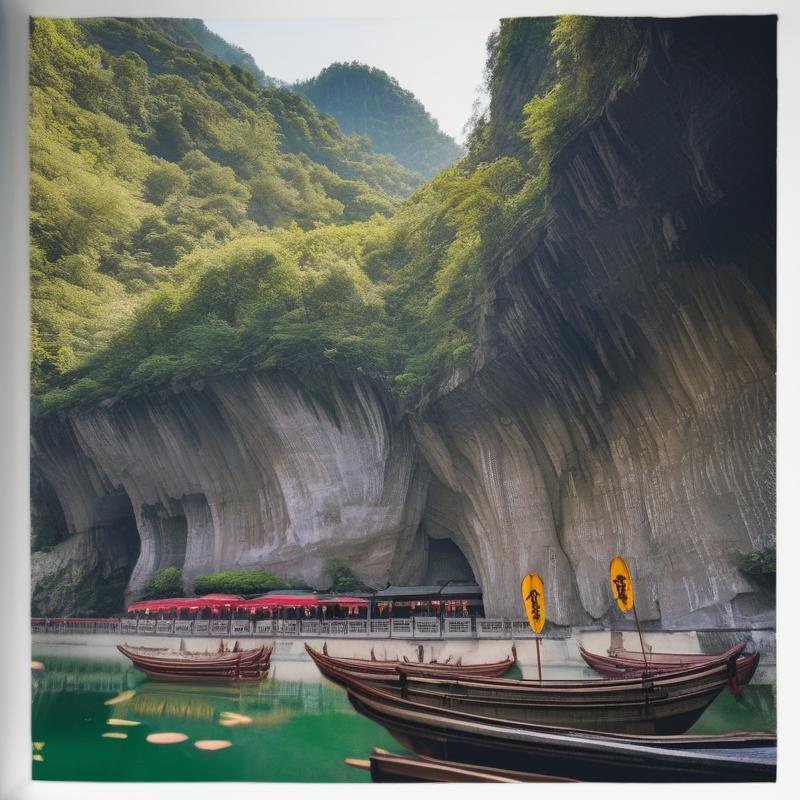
[
  {"x": 533, "y": 599},
  {"x": 621, "y": 584}
]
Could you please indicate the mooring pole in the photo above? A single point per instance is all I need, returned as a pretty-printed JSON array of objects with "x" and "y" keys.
[
  {"x": 539, "y": 659},
  {"x": 641, "y": 640}
]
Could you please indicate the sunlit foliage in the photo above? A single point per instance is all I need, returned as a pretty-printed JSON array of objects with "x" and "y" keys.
[{"x": 185, "y": 224}]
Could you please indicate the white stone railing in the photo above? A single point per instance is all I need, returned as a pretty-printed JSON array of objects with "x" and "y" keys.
[
  {"x": 241, "y": 627},
  {"x": 379, "y": 629},
  {"x": 427, "y": 628},
  {"x": 264, "y": 627},
  {"x": 146, "y": 626},
  {"x": 458, "y": 628},
  {"x": 396, "y": 628},
  {"x": 490, "y": 628}
]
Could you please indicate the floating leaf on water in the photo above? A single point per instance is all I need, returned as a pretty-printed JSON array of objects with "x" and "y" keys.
[
  {"x": 37, "y": 665},
  {"x": 38, "y": 746},
  {"x": 166, "y": 738},
  {"x": 114, "y": 735},
  {"x": 231, "y": 719},
  {"x": 232, "y": 723},
  {"x": 113, "y": 721},
  {"x": 120, "y": 698},
  {"x": 37, "y": 757},
  {"x": 212, "y": 744}
]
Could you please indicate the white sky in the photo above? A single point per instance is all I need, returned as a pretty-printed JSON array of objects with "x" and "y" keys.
[{"x": 440, "y": 60}]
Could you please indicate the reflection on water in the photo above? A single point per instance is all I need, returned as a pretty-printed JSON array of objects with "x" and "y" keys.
[
  {"x": 103, "y": 720},
  {"x": 274, "y": 730}
]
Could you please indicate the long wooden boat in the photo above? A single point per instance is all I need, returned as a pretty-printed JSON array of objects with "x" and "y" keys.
[
  {"x": 580, "y": 755},
  {"x": 493, "y": 669},
  {"x": 624, "y": 663},
  {"x": 661, "y": 704},
  {"x": 243, "y": 665},
  {"x": 386, "y": 767}
]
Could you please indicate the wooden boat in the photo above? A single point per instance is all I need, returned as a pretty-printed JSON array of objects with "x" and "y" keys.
[
  {"x": 387, "y": 667},
  {"x": 581, "y": 755},
  {"x": 661, "y": 704},
  {"x": 387, "y": 767},
  {"x": 625, "y": 663},
  {"x": 165, "y": 665}
]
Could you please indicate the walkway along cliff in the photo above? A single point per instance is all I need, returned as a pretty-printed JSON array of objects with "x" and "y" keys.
[{"x": 621, "y": 400}]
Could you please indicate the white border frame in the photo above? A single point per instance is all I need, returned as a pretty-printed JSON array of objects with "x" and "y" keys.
[{"x": 14, "y": 418}]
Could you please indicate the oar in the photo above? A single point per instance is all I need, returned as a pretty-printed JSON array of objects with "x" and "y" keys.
[
  {"x": 533, "y": 599},
  {"x": 622, "y": 586}
]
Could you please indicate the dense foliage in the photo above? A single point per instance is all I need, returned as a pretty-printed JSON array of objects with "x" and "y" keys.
[
  {"x": 167, "y": 582},
  {"x": 194, "y": 33},
  {"x": 760, "y": 564},
  {"x": 242, "y": 582},
  {"x": 342, "y": 578},
  {"x": 143, "y": 151},
  {"x": 149, "y": 263},
  {"x": 367, "y": 101}
]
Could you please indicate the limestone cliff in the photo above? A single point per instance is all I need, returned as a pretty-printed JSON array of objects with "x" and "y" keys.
[
  {"x": 621, "y": 401},
  {"x": 246, "y": 471},
  {"x": 624, "y": 399}
]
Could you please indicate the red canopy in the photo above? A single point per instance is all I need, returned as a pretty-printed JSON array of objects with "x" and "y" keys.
[
  {"x": 192, "y": 603},
  {"x": 280, "y": 601},
  {"x": 346, "y": 602},
  {"x": 236, "y": 602}
]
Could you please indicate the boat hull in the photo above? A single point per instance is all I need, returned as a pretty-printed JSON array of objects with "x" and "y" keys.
[
  {"x": 576, "y": 755},
  {"x": 489, "y": 670},
  {"x": 252, "y": 665},
  {"x": 615, "y": 666},
  {"x": 667, "y": 705},
  {"x": 390, "y": 768}
]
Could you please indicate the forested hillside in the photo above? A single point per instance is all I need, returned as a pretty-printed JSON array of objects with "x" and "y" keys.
[
  {"x": 182, "y": 218},
  {"x": 216, "y": 47},
  {"x": 144, "y": 151},
  {"x": 365, "y": 100}
]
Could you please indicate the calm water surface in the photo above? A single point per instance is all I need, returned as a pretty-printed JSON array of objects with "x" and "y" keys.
[{"x": 286, "y": 730}]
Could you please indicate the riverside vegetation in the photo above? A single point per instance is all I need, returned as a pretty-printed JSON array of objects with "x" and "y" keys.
[{"x": 187, "y": 221}]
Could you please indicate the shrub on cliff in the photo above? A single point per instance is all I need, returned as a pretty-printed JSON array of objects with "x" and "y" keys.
[
  {"x": 239, "y": 581},
  {"x": 167, "y": 582},
  {"x": 342, "y": 578},
  {"x": 759, "y": 564}
]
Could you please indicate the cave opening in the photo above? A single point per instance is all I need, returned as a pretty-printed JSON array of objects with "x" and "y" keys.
[
  {"x": 114, "y": 513},
  {"x": 169, "y": 529},
  {"x": 446, "y": 562},
  {"x": 48, "y": 523}
]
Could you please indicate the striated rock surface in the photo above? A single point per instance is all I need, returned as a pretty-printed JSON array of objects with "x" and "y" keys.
[
  {"x": 247, "y": 471},
  {"x": 622, "y": 399}
]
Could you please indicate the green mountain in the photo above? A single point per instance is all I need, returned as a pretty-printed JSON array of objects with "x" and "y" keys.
[
  {"x": 144, "y": 151},
  {"x": 217, "y": 47},
  {"x": 186, "y": 223},
  {"x": 367, "y": 101}
]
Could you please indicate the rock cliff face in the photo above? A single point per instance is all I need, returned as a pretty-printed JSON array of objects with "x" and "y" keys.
[
  {"x": 622, "y": 400},
  {"x": 247, "y": 471}
]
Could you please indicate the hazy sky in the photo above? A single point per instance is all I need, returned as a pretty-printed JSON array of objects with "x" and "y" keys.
[{"x": 440, "y": 60}]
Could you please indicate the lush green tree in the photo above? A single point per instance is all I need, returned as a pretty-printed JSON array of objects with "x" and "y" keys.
[
  {"x": 239, "y": 581},
  {"x": 167, "y": 582},
  {"x": 164, "y": 181}
]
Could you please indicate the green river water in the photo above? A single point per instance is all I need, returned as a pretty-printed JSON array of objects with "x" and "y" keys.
[{"x": 287, "y": 730}]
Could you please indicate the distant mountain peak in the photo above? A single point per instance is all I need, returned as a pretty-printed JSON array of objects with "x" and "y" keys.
[{"x": 366, "y": 100}]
